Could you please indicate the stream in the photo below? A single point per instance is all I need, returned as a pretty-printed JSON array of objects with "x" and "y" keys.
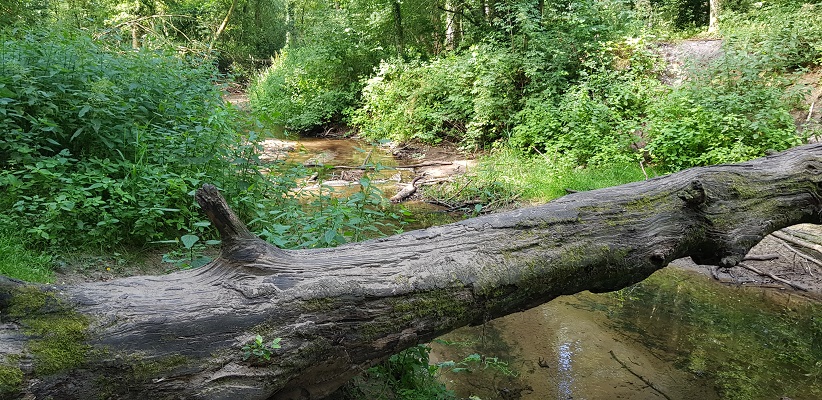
[{"x": 677, "y": 335}]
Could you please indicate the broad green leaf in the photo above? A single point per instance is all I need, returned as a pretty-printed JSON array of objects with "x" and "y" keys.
[{"x": 189, "y": 240}]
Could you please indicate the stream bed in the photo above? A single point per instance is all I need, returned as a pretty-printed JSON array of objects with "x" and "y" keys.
[{"x": 678, "y": 335}]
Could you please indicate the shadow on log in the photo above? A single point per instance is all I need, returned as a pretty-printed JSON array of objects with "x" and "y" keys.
[{"x": 339, "y": 311}]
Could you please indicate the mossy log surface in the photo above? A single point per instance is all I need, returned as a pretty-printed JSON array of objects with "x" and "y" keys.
[{"x": 341, "y": 310}]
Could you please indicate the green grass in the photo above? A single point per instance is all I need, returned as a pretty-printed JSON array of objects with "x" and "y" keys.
[
  {"x": 541, "y": 178},
  {"x": 16, "y": 261}
]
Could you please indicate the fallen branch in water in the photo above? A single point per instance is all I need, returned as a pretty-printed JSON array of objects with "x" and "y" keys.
[
  {"x": 642, "y": 378},
  {"x": 366, "y": 167}
]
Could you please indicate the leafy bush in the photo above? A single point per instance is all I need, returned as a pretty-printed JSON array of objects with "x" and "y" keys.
[
  {"x": 104, "y": 142},
  {"x": 731, "y": 112},
  {"x": 682, "y": 14},
  {"x": 316, "y": 80},
  {"x": 404, "y": 376},
  {"x": 597, "y": 121},
  {"x": 782, "y": 36},
  {"x": 304, "y": 88},
  {"x": 422, "y": 101},
  {"x": 322, "y": 219},
  {"x": 464, "y": 97}
]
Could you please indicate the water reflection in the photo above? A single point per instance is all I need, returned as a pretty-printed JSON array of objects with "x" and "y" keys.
[
  {"x": 675, "y": 336},
  {"x": 565, "y": 374}
]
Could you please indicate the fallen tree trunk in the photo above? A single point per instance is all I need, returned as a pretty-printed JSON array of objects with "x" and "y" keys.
[{"x": 341, "y": 310}]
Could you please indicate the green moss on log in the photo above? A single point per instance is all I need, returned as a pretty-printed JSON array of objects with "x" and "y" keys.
[
  {"x": 144, "y": 370},
  {"x": 57, "y": 333},
  {"x": 11, "y": 377}
]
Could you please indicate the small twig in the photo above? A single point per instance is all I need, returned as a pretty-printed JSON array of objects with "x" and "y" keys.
[
  {"x": 810, "y": 111},
  {"x": 646, "y": 381},
  {"x": 467, "y": 182},
  {"x": 774, "y": 277},
  {"x": 431, "y": 182},
  {"x": 643, "y": 170},
  {"x": 541, "y": 153},
  {"x": 367, "y": 157},
  {"x": 427, "y": 164},
  {"x": 364, "y": 166},
  {"x": 763, "y": 257},
  {"x": 800, "y": 254},
  {"x": 440, "y": 203}
]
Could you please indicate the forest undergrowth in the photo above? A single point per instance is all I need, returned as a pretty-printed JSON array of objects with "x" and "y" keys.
[{"x": 112, "y": 114}]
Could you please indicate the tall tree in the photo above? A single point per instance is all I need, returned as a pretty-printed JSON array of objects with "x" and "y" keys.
[
  {"x": 713, "y": 19},
  {"x": 396, "y": 7},
  {"x": 453, "y": 24}
]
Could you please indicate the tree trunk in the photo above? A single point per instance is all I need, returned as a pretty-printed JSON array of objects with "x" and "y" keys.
[
  {"x": 339, "y": 311},
  {"x": 289, "y": 24},
  {"x": 453, "y": 24},
  {"x": 135, "y": 35},
  {"x": 488, "y": 10},
  {"x": 396, "y": 8},
  {"x": 713, "y": 16},
  {"x": 223, "y": 25}
]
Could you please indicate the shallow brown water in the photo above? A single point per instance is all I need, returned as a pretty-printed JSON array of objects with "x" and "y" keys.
[{"x": 565, "y": 350}]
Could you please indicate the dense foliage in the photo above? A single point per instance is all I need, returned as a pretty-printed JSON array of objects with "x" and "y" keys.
[
  {"x": 111, "y": 112},
  {"x": 106, "y": 142},
  {"x": 111, "y": 143},
  {"x": 579, "y": 81},
  {"x": 733, "y": 111}
]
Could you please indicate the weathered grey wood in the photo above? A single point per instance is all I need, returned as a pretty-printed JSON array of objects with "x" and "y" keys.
[{"x": 339, "y": 311}]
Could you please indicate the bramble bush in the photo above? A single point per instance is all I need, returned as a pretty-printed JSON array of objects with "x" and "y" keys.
[
  {"x": 785, "y": 35},
  {"x": 464, "y": 97},
  {"x": 598, "y": 120},
  {"x": 315, "y": 80}
]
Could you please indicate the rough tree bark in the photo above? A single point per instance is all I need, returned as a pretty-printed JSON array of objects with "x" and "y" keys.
[
  {"x": 453, "y": 24},
  {"x": 341, "y": 310},
  {"x": 713, "y": 16}
]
